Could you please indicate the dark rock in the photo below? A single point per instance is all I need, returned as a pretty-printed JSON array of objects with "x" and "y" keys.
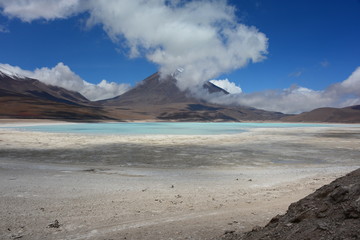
[
  {"x": 55, "y": 224},
  {"x": 17, "y": 237},
  {"x": 339, "y": 194}
]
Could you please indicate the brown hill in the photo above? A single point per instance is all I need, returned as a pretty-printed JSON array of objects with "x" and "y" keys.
[
  {"x": 34, "y": 88},
  {"x": 335, "y": 115},
  {"x": 331, "y": 212},
  {"x": 22, "y": 97}
]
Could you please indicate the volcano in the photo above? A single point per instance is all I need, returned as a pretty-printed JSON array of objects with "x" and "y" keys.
[
  {"x": 157, "y": 91},
  {"x": 160, "y": 98}
]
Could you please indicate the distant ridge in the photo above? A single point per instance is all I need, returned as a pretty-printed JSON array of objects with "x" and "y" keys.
[{"x": 332, "y": 115}]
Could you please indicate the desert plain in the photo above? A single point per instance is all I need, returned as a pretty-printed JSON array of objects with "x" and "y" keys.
[{"x": 81, "y": 186}]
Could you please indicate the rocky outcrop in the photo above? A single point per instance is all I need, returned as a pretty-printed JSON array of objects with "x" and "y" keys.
[{"x": 331, "y": 212}]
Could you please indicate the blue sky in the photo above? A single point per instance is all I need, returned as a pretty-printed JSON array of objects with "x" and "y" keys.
[
  {"x": 88, "y": 52},
  {"x": 312, "y": 44}
]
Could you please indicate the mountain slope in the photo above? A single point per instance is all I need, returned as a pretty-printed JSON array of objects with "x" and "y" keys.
[
  {"x": 336, "y": 115},
  {"x": 35, "y": 88},
  {"x": 22, "y": 97}
]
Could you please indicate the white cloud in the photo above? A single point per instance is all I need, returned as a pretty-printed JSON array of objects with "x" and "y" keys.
[
  {"x": 62, "y": 76},
  {"x": 297, "y": 99},
  {"x": 28, "y": 10},
  {"x": 203, "y": 37},
  {"x": 104, "y": 90},
  {"x": 225, "y": 84},
  {"x": 14, "y": 70},
  {"x": 352, "y": 83}
]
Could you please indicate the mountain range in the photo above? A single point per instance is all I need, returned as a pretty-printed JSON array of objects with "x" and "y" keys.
[{"x": 155, "y": 98}]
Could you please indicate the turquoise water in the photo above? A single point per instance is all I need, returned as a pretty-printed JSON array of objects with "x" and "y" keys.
[{"x": 170, "y": 128}]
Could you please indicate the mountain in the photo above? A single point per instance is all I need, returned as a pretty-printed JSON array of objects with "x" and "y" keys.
[
  {"x": 154, "y": 98},
  {"x": 22, "y": 97},
  {"x": 157, "y": 98},
  {"x": 34, "y": 88},
  {"x": 331, "y": 212},
  {"x": 335, "y": 115},
  {"x": 157, "y": 91}
]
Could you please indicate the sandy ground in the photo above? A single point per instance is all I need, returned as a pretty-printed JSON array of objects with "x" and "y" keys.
[{"x": 162, "y": 187}]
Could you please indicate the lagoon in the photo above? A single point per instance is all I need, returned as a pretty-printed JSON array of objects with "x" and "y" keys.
[{"x": 161, "y": 128}]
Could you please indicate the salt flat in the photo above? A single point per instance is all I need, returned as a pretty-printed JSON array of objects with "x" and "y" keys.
[{"x": 162, "y": 186}]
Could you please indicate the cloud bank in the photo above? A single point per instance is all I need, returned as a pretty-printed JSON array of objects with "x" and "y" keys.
[
  {"x": 203, "y": 37},
  {"x": 62, "y": 76},
  {"x": 297, "y": 99}
]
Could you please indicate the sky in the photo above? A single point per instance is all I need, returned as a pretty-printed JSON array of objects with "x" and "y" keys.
[{"x": 278, "y": 55}]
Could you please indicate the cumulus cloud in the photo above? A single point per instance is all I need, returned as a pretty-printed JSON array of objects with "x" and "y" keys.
[
  {"x": 352, "y": 84},
  {"x": 291, "y": 100},
  {"x": 225, "y": 84},
  {"x": 297, "y": 99},
  {"x": 28, "y": 10},
  {"x": 62, "y": 76},
  {"x": 203, "y": 37}
]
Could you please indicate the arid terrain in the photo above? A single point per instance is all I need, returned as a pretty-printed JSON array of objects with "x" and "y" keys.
[
  {"x": 331, "y": 212},
  {"x": 71, "y": 186}
]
